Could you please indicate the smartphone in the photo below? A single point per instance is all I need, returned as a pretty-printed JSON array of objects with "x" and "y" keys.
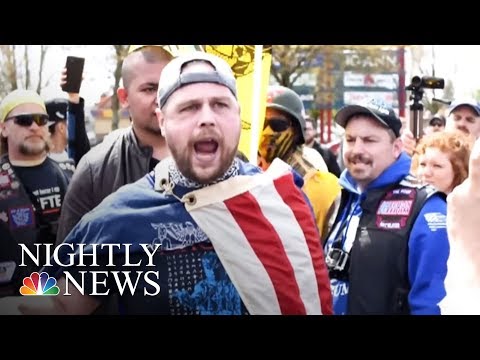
[{"x": 74, "y": 66}]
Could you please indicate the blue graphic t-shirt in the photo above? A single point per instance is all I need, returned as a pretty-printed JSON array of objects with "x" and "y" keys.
[{"x": 188, "y": 281}]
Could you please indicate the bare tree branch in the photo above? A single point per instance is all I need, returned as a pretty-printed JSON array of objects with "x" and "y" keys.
[
  {"x": 43, "y": 52},
  {"x": 27, "y": 66},
  {"x": 121, "y": 51},
  {"x": 10, "y": 66}
]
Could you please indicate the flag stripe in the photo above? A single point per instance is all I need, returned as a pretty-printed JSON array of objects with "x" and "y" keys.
[
  {"x": 269, "y": 248},
  {"x": 294, "y": 242},
  {"x": 246, "y": 272},
  {"x": 265, "y": 241},
  {"x": 304, "y": 217}
]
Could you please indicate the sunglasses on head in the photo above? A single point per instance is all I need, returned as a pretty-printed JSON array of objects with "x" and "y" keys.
[
  {"x": 277, "y": 124},
  {"x": 27, "y": 120}
]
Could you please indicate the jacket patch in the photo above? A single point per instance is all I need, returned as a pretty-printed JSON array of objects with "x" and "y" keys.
[
  {"x": 436, "y": 221},
  {"x": 6, "y": 194},
  {"x": 8, "y": 181},
  {"x": 395, "y": 209},
  {"x": 21, "y": 217},
  {"x": 5, "y": 181}
]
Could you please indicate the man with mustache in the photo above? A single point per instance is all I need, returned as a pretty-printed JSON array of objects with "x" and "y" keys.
[
  {"x": 224, "y": 237},
  {"x": 388, "y": 248},
  {"x": 464, "y": 115},
  {"x": 32, "y": 186}
]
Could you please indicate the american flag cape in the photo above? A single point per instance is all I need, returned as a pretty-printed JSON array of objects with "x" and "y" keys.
[{"x": 265, "y": 235}]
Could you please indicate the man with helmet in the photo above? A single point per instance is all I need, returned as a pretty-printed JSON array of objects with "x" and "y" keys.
[{"x": 283, "y": 137}]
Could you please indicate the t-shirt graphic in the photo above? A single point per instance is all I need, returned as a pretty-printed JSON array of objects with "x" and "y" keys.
[{"x": 213, "y": 294}]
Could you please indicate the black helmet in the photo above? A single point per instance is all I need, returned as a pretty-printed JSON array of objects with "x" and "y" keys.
[{"x": 287, "y": 100}]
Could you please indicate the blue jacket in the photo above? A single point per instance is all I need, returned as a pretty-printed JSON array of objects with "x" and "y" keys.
[{"x": 428, "y": 247}]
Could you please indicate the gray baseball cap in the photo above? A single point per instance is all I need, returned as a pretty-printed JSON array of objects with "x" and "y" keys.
[
  {"x": 172, "y": 78},
  {"x": 471, "y": 103}
]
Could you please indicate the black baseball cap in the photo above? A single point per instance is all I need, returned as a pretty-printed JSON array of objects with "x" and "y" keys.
[
  {"x": 57, "y": 109},
  {"x": 437, "y": 119},
  {"x": 374, "y": 107}
]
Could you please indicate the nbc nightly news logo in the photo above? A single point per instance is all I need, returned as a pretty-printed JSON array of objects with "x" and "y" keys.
[
  {"x": 39, "y": 284},
  {"x": 43, "y": 284}
]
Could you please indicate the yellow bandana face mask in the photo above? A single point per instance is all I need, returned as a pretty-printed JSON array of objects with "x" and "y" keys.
[{"x": 273, "y": 143}]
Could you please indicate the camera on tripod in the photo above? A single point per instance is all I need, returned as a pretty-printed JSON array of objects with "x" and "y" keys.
[
  {"x": 417, "y": 85},
  {"x": 426, "y": 82}
]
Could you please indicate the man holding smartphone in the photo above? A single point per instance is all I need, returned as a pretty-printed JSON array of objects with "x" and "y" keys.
[
  {"x": 32, "y": 186},
  {"x": 130, "y": 154},
  {"x": 67, "y": 130}
]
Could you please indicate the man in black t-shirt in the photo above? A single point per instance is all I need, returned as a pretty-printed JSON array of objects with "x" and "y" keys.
[{"x": 32, "y": 186}]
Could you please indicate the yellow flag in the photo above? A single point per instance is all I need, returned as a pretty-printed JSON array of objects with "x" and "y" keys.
[{"x": 251, "y": 66}]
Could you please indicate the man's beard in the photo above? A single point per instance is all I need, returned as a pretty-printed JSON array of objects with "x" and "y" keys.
[
  {"x": 34, "y": 149},
  {"x": 184, "y": 164}
]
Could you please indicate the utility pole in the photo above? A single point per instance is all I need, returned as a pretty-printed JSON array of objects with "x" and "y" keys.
[{"x": 402, "y": 97}]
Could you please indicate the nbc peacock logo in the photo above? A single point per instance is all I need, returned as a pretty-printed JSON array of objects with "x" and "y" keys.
[{"x": 39, "y": 284}]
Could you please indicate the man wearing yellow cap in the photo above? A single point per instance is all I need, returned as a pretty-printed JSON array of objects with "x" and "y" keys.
[{"x": 32, "y": 186}]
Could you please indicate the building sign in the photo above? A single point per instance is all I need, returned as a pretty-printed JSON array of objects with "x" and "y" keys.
[
  {"x": 386, "y": 81},
  {"x": 386, "y": 61},
  {"x": 358, "y": 97}
]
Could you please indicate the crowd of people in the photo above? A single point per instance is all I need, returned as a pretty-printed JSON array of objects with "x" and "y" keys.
[{"x": 207, "y": 232}]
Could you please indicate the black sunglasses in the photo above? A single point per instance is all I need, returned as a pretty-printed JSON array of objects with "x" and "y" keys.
[
  {"x": 277, "y": 124},
  {"x": 27, "y": 120}
]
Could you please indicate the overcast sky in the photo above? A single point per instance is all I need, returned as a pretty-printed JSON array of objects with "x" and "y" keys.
[
  {"x": 459, "y": 63},
  {"x": 98, "y": 70}
]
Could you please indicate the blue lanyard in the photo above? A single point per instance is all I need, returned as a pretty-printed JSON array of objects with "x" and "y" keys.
[{"x": 353, "y": 209}]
